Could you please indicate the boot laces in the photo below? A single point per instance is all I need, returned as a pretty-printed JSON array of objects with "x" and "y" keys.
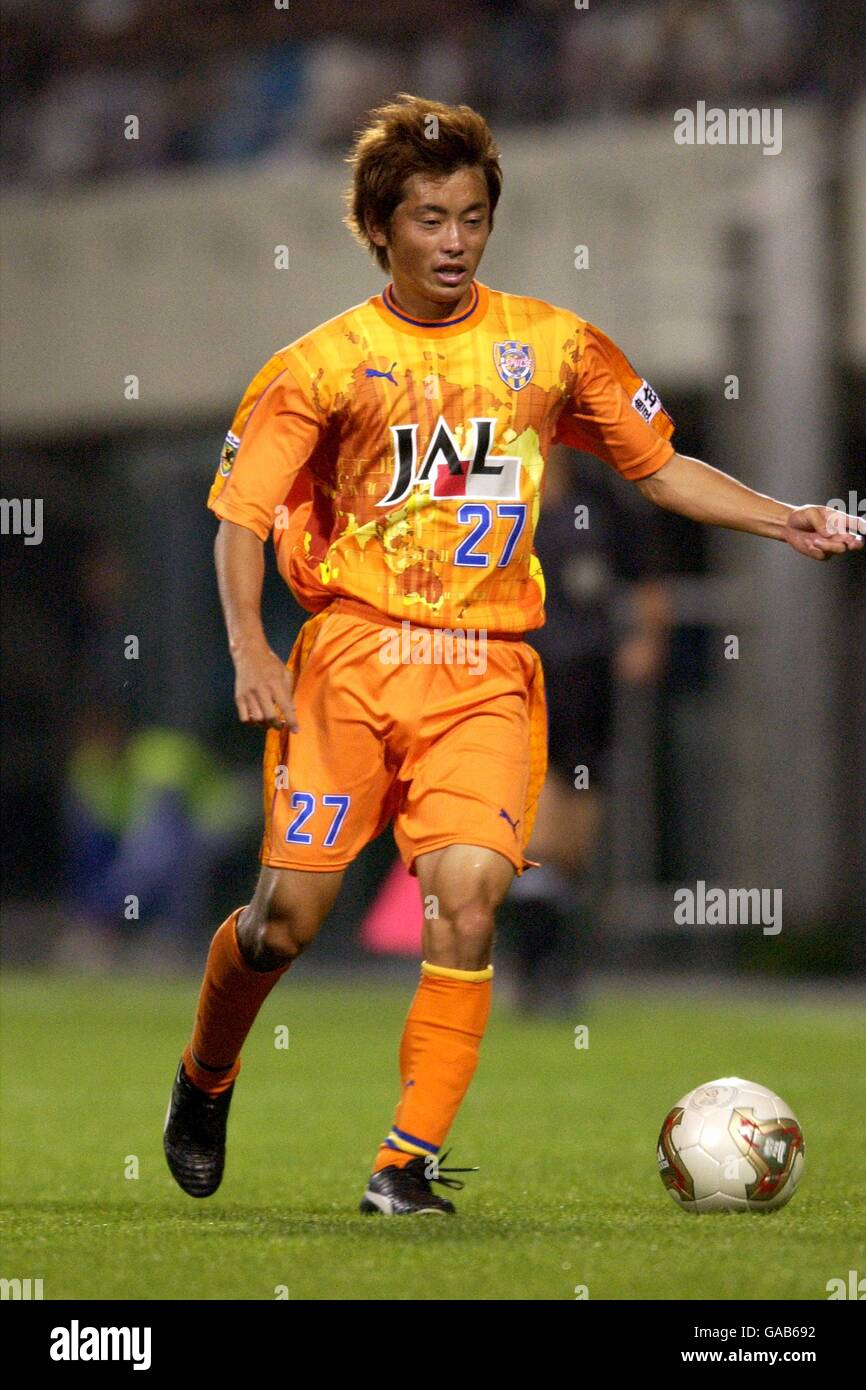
[{"x": 432, "y": 1171}]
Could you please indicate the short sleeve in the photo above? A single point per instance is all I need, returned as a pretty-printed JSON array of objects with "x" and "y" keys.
[
  {"x": 274, "y": 432},
  {"x": 614, "y": 413}
]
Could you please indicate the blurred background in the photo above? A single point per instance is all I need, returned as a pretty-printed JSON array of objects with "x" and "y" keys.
[{"x": 155, "y": 158}]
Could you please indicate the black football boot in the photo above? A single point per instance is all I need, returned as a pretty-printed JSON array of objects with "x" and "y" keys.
[
  {"x": 194, "y": 1137},
  {"x": 403, "y": 1191}
]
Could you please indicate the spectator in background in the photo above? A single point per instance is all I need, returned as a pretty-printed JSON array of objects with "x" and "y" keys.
[
  {"x": 231, "y": 80},
  {"x": 591, "y": 548},
  {"x": 148, "y": 815}
]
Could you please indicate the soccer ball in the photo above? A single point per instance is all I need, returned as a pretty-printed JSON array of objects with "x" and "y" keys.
[{"x": 731, "y": 1145}]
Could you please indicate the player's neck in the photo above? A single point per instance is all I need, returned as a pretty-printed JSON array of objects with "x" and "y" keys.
[{"x": 418, "y": 307}]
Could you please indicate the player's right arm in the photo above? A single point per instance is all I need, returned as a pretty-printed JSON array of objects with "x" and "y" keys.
[
  {"x": 263, "y": 685},
  {"x": 274, "y": 432}
]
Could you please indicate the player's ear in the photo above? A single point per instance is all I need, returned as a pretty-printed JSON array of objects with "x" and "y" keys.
[{"x": 375, "y": 232}]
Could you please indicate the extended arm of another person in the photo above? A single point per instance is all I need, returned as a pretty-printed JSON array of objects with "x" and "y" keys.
[
  {"x": 263, "y": 686},
  {"x": 703, "y": 493},
  {"x": 641, "y": 655}
]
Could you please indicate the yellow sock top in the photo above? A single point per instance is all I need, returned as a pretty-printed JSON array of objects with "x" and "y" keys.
[{"x": 450, "y": 974}]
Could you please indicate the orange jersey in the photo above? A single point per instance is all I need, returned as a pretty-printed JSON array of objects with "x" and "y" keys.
[{"x": 401, "y": 462}]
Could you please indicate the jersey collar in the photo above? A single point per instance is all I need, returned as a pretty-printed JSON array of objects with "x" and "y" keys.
[{"x": 463, "y": 322}]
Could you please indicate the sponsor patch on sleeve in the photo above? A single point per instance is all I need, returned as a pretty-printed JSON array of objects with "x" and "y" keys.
[
  {"x": 646, "y": 402},
  {"x": 227, "y": 454}
]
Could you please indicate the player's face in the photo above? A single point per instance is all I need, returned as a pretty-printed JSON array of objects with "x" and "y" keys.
[{"x": 436, "y": 239}]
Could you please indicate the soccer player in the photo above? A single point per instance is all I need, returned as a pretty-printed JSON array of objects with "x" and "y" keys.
[{"x": 396, "y": 453}]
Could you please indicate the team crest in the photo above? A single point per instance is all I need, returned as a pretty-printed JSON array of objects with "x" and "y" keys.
[
  {"x": 515, "y": 363},
  {"x": 227, "y": 454}
]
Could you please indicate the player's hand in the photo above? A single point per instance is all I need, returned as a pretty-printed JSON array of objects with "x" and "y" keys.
[
  {"x": 263, "y": 690},
  {"x": 821, "y": 532},
  {"x": 639, "y": 659}
]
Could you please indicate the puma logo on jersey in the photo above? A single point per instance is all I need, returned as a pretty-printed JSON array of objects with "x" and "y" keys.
[
  {"x": 513, "y": 823},
  {"x": 389, "y": 375},
  {"x": 481, "y": 476}
]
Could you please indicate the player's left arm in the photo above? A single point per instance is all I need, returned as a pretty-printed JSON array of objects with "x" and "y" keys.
[{"x": 703, "y": 493}]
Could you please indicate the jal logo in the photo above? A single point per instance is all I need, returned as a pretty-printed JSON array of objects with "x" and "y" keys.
[{"x": 445, "y": 473}]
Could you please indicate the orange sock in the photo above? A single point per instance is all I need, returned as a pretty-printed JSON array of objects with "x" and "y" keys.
[
  {"x": 438, "y": 1056},
  {"x": 231, "y": 995}
]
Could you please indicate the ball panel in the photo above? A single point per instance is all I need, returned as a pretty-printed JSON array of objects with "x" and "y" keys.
[
  {"x": 786, "y": 1191},
  {"x": 672, "y": 1170},
  {"x": 760, "y": 1101},
  {"x": 688, "y": 1130},
  {"x": 720, "y": 1201},
  {"x": 716, "y": 1095},
  {"x": 703, "y": 1170}
]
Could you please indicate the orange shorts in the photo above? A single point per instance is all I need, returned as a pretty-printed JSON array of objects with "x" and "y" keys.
[{"x": 453, "y": 750}]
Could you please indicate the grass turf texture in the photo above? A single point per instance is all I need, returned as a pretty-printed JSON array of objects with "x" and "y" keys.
[{"x": 568, "y": 1193}]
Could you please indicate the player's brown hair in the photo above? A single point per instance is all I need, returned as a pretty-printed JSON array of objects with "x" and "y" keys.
[{"x": 412, "y": 136}]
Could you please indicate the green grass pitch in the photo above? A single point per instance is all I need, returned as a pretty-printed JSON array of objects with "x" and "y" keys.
[{"x": 567, "y": 1194}]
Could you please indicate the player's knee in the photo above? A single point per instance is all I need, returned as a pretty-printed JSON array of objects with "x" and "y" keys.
[
  {"x": 472, "y": 923},
  {"x": 472, "y": 903},
  {"x": 273, "y": 939}
]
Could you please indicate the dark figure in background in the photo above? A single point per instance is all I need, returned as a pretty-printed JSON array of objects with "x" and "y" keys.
[
  {"x": 149, "y": 815},
  {"x": 598, "y": 563}
]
